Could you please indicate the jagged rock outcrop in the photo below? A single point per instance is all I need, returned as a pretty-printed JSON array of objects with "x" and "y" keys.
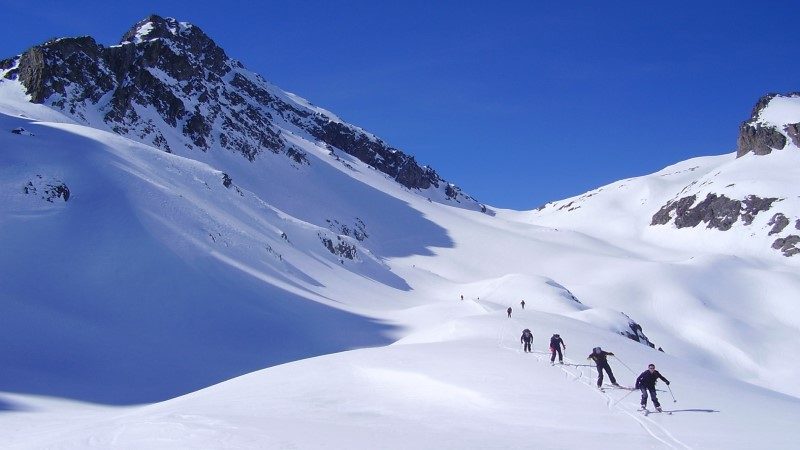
[
  {"x": 793, "y": 131},
  {"x": 636, "y": 333},
  {"x": 721, "y": 212},
  {"x": 788, "y": 245},
  {"x": 169, "y": 85},
  {"x": 760, "y": 137},
  {"x": 752, "y": 205},
  {"x": 22, "y": 131},
  {"x": 48, "y": 189},
  {"x": 340, "y": 248},
  {"x": 778, "y": 222},
  {"x": 357, "y": 230},
  {"x": 717, "y": 211}
]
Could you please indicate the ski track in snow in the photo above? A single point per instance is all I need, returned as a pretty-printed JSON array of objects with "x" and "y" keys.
[{"x": 654, "y": 429}]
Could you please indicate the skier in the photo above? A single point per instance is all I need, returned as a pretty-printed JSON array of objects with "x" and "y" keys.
[
  {"x": 523, "y": 304},
  {"x": 600, "y": 358},
  {"x": 647, "y": 382},
  {"x": 462, "y": 297},
  {"x": 527, "y": 339},
  {"x": 509, "y": 311},
  {"x": 555, "y": 346}
]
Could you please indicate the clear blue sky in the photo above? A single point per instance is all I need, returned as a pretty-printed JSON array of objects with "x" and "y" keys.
[{"x": 519, "y": 103}]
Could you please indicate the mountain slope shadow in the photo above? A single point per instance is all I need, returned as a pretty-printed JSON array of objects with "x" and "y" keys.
[
  {"x": 97, "y": 309},
  {"x": 136, "y": 324}
]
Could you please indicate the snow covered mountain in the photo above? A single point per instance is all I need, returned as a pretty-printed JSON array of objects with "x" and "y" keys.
[
  {"x": 169, "y": 85},
  {"x": 744, "y": 204},
  {"x": 170, "y": 221}
]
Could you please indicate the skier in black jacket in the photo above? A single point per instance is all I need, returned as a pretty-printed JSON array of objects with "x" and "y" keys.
[
  {"x": 527, "y": 339},
  {"x": 600, "y": 359},
  {"x": 555, "y": 346},
  {"x": 647, "y": 382}
]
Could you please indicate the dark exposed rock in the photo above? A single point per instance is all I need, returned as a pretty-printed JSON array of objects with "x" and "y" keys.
[
  {"x": 342, "y": 248},
  {"x": 297, "y": 155},
  {"x": 761, "y": 140},
  {"x": 8, "y": 63},
  {"x": 403, "y": 168},
  {"x": 752, "y": 205},
  {"x": 793, "y": 130},
  {"x": 22, "y": 131},
  {"x": 69, "y": 62},
  {"x": 663, "y": 216},
  {"x": 209, "y": 100},
  {"x": 762, "y": 103},
  {"x": 226, "y": 180},
  {"x": 57, "y": 191},
  {"x": 721, "y": 213},
  {"x": 778, "y": 222},
  {"x": 358, "y": 230},
  {"x": 636, "y": 333},
  {"x": 47, "y": 191},
  {"x": 718, "y": 212},
  {"x": 787, "y": 245},
  {"x": 451, "y": 191}
]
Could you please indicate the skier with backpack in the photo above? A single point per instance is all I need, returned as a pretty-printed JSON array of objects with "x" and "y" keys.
[
  {"x": 600, "y": 358},
  {"x": 647, "y": 382},
  {"x": 555, "y": 346},
  {"x": 526, "y": 339},
  {"x": 522, "y": 303},
  {"x": 509, "y": 311}
]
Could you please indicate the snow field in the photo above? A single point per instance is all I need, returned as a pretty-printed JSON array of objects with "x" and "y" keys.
[
  {"x": 155, "y": 281},
  {"x": 470, "y": 388}
]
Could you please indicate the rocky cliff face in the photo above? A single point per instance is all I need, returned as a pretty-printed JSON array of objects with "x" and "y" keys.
[
  {"x": 773, "y": 125},
  {"x": 169, "y": 85},
  {"x": 722, "y": 213},
  {"x": 761, "y": 134}
]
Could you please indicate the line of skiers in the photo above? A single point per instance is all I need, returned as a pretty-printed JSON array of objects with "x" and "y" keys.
[
  {"x": 645, "y": 382},
  {"x": 556, "y": 343}
]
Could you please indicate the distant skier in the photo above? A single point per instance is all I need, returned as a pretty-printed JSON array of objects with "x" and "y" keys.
[
  {"x": 555, "y": 346},
  {"x": 509, "y": 311},
  {"x": 647, "y": 382},
  {"x": 600, "y": 359},
  {"x": 462, "y": 297},
  {"x": 527, "y": 339},
  {"x": 523, "y": 304}
]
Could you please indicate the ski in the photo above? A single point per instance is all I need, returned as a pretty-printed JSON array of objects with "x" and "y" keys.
[
  {"x": 625, "y": 388},
  {"x": 647, "y": 412}
]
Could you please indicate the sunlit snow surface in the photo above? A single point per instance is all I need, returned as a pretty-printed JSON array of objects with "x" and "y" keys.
[{"x": 154, "y": 281}]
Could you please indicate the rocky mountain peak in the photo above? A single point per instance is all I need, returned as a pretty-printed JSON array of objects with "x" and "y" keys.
[
  {"x": 155, "y": 27},
  {"x": 774, "y": 124},
  {"x": 169, "y": 85}
]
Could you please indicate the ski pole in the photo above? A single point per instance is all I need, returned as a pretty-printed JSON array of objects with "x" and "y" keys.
[
  {"x": 626, "y": 366},
  {"x": 673, "y": 395},
  {"x": 623, "y": 397}
]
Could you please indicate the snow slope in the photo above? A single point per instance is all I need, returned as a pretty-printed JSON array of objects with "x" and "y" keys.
[
  {"x": 466, "y": 385},
  {"x": 136, "y": 280}
]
